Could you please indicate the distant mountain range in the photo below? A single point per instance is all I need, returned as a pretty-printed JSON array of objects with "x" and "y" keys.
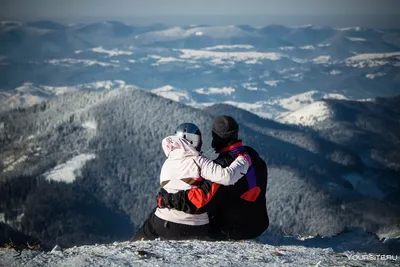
[
  {"x": 83, "y": 109},
  {"x": 256, "y": 64}
]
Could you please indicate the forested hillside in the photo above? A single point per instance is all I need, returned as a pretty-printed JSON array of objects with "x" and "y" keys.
[{"x": 83, "y": 168}]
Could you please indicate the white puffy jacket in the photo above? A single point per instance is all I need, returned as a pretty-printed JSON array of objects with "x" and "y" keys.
[{"x": 183, "y": 167}]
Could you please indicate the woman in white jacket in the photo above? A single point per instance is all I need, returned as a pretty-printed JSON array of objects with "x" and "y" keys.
[{"x": 184, "y": 169}]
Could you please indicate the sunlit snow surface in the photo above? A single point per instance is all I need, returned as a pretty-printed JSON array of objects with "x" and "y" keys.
[
  {"x": 172, "y": 93},
  {"x": 371, "y": 56},
  {"x": 213, "y": 90},
  {"x": 309, "y": 115},
  {"x": 346, "y": 250},
  {"x": 357, "y": 39},
  {"x": 111, "y": 53},
  {"x": 68, "y": 171}
]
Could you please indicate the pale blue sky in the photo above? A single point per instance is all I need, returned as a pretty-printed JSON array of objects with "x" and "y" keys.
[{"x": 42, "y": 9}]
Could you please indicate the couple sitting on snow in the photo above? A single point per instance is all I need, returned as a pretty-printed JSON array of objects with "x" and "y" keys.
[{"x": 202, "y": 199}]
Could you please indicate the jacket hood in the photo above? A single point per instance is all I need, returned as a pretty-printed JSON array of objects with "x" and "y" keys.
[{"x": 176, "y": 147}]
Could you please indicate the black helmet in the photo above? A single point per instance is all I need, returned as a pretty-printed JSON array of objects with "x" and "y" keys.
[{"x": 191, "y": 133}]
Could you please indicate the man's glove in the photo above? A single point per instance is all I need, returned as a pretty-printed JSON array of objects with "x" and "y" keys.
[{"x": 162, "y": 199}]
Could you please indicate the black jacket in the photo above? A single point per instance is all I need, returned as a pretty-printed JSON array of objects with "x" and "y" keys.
[{"x": 236, "y": 212}]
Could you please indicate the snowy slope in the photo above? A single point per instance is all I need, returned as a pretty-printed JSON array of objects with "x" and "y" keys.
[
  {"x": 309, "y": 115},
  {"x": 172, "y": 93},
  {"x": 347, "y": 250},
  {"x": 299, "y": 101},
  {"x": 68, "y": 171},
  {"x": 372, "y": 56}
]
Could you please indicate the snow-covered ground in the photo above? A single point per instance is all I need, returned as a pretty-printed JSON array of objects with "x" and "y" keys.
[
  {"x": 231, "y": 56},
  {"x": 357, "y": 39},
  {"x": 299, "y": 101},
  {"x": 307, "y": 47},
  {"x": 111, "y": 53},
  {"x": 214, "y": 90},
  {"x": 335, "y": 72},
  {"x": 322, "y": 59},
  {"x": 172, "y": 93},
  {"x": 372, "y": 56},
  {"x": 68, "y": 171},
  {"x": 11, "y": 162},
  {"x": 272, "y": 83},
  {"x": 250, "y": 86},
  {"x": 346, "y": 250},
  {"x": 68, "y": 62},
  {"x": 223, "y": 47},
  {"x": 90, "y": 125},
  {"x": 309, "y": 115},
  {"x": 374, "y": 75}
]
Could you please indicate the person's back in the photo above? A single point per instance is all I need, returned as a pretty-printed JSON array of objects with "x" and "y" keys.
[
  {"x": 242, "y": 211},
  {"x": 180, "y": 172}
]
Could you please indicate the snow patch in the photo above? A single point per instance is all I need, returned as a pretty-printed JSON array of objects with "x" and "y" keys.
[
  {"x": 165, "y": 60},
  {"x": 307, "y": 47},
  {"x": 68, "y": 171},
  {"x": 252, "y": 61},
  {"x": 111, "y": 53},
  {"x": 68, "y": 62},
  {"x": 335, "y": 72},
  {"x": 322, "y": 59},
  {"x": 250, "y": 86},
  {"x": 213, "y": 90},
  {"x": 357, "y": 29},
  {"x": 90, "y": 125},
  {"x": 309, "y": 115},
  {"x": 199, "y": 33},
  {"x": 372, "y": 56},
  {"x": 356, "y": 39},
  {"x": 11, "y": 162},
  {"x": 228, "y": 56},
  {"x": 222, "y": 47},
  {"x": 299, "y": 101},
  {"x": 287, "y": 48},
  {"x": 372, "y": 76},
  {"x": 272, "y": 83},
  {"x": 172, "y": 93}
]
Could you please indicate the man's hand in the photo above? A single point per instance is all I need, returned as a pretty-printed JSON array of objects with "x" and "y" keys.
[
  {"x": 162, "y": 199},
  {"x": 241, "y": 151},
  {"x": 246, "y": 156}
]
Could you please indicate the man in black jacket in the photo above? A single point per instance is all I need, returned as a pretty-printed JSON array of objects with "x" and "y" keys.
[{"x": 236, "y": 212}]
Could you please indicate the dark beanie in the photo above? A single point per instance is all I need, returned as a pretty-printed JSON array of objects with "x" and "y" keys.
[{"x": 226, "y": 128}]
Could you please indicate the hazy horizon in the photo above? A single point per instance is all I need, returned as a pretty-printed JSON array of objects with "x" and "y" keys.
[
  {"x": 339, "y": 13},
  {"x": 368, "y": 21}
]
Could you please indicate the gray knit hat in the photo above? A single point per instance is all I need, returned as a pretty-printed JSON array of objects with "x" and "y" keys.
[{"x": 226, "y": 128}]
